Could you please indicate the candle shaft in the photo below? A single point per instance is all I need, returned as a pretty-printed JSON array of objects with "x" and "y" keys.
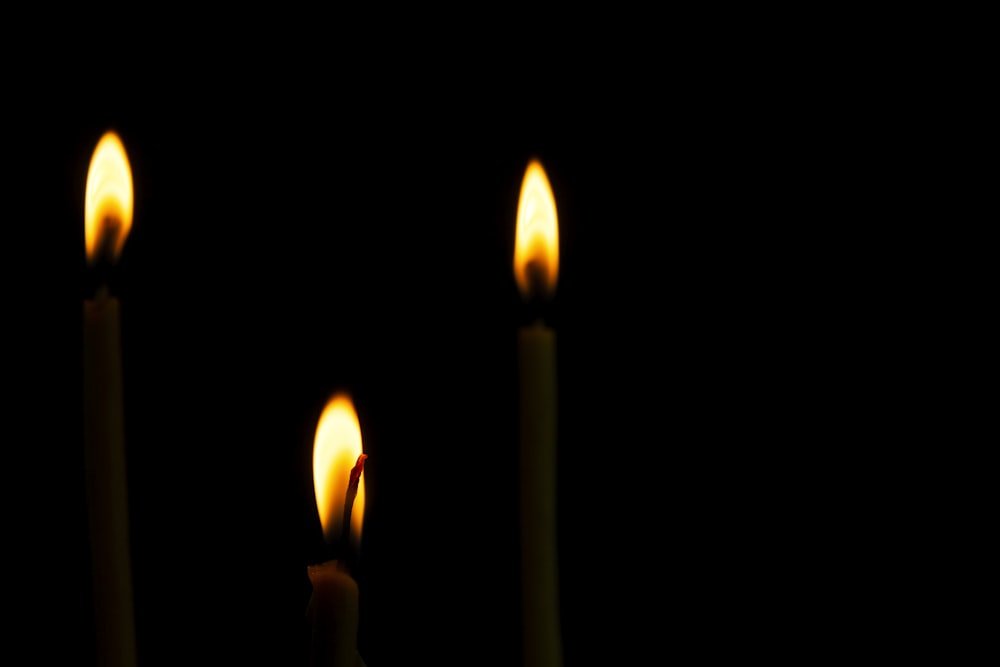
[
  {"x": 104, "y": 459},
  {"x": 333, "y": 617},
  {"x": 539, "y": 564}
]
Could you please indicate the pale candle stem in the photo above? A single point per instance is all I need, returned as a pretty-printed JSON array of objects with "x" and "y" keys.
[
  {"x": 539, "y": 563},
  {"x": 333, "y": 606},
  {"x": 104, "y": 458},
  {"x": 333, "y": 616}
]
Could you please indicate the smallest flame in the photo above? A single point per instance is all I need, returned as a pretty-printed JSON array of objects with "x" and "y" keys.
[
  {"x": 108, "y": 203},
  {"x": 336, "y": 451},
  {"x": 536, "y": 244}
]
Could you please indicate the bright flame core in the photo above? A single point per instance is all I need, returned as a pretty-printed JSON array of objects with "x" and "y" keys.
[
  {"x": 335, "y": 451},
  {"x": 537, "y": 235},
  {"x": 108, "y": 203}
]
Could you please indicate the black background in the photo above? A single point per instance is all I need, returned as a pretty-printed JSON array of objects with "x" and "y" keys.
[{"x": 312, "y": 216}]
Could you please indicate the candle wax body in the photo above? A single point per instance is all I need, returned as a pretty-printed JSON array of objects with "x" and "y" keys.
[
  {"x": 333, "y": 617},
  {"x": 104, "y": 459},
  {"x": 539, "y": 565}
]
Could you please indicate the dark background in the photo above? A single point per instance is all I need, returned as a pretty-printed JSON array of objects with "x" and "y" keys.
[{"x": 311, "y": 217}]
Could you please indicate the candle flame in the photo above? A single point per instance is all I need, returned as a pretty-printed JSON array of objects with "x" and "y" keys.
[
  {"x": 536, "y": 245},
  {"x": 335, "y": 452},
  {"x": 108, "y": 203}
]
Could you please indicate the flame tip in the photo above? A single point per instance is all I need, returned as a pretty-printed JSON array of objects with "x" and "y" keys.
[
  {"x": 536, "y": 248},
  {"x": 109, "y": 198},
  {"x": 338, "y": 464}
]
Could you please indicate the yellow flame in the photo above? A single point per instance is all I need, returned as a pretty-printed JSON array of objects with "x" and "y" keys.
[
  {"x": 537, "y": 234},
  {"x": 108, "y": 203},
  {"x": 335, "y": 451}
]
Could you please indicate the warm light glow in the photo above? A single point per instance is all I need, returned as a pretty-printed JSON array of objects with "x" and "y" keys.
[
  {"x": 537, "y": 235},
  {"x": 335, "y": 451},
  {"x": 108, "y": 204}
]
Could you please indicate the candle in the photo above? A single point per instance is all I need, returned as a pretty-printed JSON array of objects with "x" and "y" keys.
[
  {"x": 107, "y": 220},
  {"x": 536, "y": 267},
  {"x": 338, "y": 482}
]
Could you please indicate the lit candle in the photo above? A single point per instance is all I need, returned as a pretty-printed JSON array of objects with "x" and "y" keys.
[
  {"x": 107, "y": 220},
  {"x": 536, "y": 267},
  {"x": 338, "y": 482}
]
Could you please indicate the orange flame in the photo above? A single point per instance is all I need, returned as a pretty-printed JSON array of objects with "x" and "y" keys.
[
  {"x": 108, "y": 203},
  {"x": 536, "y": 245},
  {"x": 335, "y": 452}
]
